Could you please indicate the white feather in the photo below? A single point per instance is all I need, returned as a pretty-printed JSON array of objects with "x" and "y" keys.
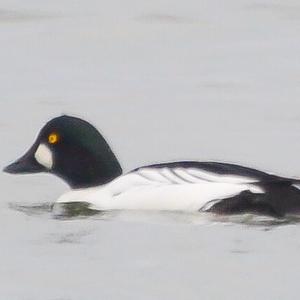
[
  {"x": 43, "y": 156},
  {"x": 161, "y": 189},
  {"x": 171, "y": 176},
  {"x": 229, "y": 178}
]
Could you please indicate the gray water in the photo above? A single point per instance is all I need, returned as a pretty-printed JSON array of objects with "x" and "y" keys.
[{"x": 162, "y": 80}]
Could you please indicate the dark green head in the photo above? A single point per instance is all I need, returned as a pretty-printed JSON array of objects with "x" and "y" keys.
[{"x": 72, "y": 149}]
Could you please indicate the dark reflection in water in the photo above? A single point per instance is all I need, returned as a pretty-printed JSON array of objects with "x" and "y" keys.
[
  {"x": 267, "y": 223},
  {"x": 57, "y": 210},
  {"x": 33, "y": 209},
  {"x": 74, "y": 210},
  {"x": 80, "y": 210}
]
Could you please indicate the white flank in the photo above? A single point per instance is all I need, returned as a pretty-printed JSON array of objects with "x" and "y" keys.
[
  {"x": 43, "y": 156},
  {"x": 161, "y": 189}
]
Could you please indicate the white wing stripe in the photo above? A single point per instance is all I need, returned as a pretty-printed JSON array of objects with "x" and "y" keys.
[
  {"x": 213, "y": 177},
  {"x": 173, "y": 178},
  {"x": 182, "y": 173},
  {"x": 153, "y": 175},
  {"x": 144, "y": 176}
]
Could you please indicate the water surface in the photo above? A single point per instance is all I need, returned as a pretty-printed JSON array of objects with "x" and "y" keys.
[{"x": 162, "y": 80}]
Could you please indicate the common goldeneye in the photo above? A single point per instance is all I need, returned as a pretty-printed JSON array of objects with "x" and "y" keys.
[{"x": 74, "y": 150}]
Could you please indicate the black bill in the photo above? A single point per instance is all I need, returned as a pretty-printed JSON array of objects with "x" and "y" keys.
[{"x": 26, "y": 164}]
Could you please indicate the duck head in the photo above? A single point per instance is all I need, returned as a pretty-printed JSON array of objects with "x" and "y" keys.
[{"x": 72, "y": 149}]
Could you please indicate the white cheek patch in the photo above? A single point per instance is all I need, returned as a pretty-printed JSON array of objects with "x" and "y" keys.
[{"x": 43, "y": 156}]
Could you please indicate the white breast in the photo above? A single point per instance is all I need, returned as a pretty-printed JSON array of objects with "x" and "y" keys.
[{"x": 175, "y": 189}]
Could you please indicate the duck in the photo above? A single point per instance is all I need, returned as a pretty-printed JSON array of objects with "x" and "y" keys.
[{"x": 74, "y": 150}]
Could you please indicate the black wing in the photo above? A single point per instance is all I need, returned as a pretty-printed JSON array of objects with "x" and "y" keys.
[{"x": 279, "y": 199}]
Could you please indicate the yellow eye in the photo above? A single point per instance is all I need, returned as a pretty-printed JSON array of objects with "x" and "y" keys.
[{"x": 53, "y": 138}]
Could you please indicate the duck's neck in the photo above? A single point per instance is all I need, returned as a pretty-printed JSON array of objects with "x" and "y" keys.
[
  {"x": 84, "y": 168},
  {"x": 97, "y": 175},
  {"x": 91, "y": 174}
]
